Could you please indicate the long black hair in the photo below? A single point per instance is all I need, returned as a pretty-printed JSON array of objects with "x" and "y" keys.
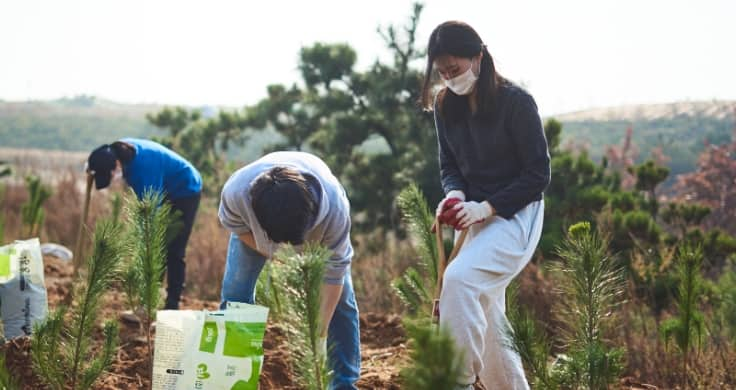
[{"x": 458, "y": 39}]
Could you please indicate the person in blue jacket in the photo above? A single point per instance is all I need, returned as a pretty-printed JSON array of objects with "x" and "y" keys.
[{"x": 146, "y": 165}]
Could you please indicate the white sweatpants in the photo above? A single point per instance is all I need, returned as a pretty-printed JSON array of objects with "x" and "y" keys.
[{"x": 473, "y": 301}]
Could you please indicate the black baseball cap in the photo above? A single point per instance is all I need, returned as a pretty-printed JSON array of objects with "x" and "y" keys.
[{"x": 100, "y": 164}]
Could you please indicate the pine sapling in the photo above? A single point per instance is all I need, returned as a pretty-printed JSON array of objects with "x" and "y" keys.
[
  {"x": 726, "y": 308},
  {"x": 528, "y": 339},
  {"x": 436, "y": 362},
  {"x": 60, "y": 347},
  {"x": 32, "y": 213},
  {"x": 116, "y": 205},
  {"x": 149, "y": 219},
  {"x": 591, "y": 287},
  {"x": 304, "y": 274},
  {"x": 688, "y": 327},
  {"x": 46, "y": 349},
  {"x": 410, "y": 287},
  {"x": 268, "y": 294}
]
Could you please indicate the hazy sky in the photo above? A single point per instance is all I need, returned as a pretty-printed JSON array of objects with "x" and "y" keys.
[{"x": 570, "y": 54}]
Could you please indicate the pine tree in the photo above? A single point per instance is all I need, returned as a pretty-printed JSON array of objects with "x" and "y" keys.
[
  {"x": 435, "y": 361},
  {"x": 116, "y": 205},
  {"x": 411, "y": 286},
  {"x": 688, "y": 327},
  {"x": 60, "y": 347},
  {"x": 149, "y": 219},
  {"x": 304, "y": 274},
  {"x": 32, "y": 213},
  {"x": 528, "y": 339},
  {"x": 590, "y": 287},
  {"x": 268, "y": 292}
]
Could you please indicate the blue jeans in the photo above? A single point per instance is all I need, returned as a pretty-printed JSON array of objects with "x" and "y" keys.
[{"x": 343, "y": 336}]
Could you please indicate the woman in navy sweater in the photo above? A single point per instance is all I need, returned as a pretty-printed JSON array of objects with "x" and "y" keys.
[
  {"x": 146, "y": 165},
  {"x": 494, "y": 159}
]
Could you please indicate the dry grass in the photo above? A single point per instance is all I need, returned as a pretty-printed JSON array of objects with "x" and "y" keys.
[
  {"x": 206, "y": 254},
  {"x": 650, "y": 361},
  {"x": 376, "y": 264},
  {"x": 49, "y": 165},
  {"x": 62, "y": 210}
]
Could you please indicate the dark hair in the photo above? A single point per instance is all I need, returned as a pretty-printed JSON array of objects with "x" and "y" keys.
[
  {"x": 123, "y": 151},
  {"x": 458, "y": 39},
  {"x": 283, "y": 204}
]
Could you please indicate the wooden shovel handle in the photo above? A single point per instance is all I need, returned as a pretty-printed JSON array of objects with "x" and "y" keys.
[
  {"x": 77, "y": 254},
  {"x": 442, "y": 260}
]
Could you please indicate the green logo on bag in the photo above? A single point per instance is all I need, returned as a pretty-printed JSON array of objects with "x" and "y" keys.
[
  {"x": 5, "y": 262},
  {"x": 208, "y": 341},
  {"x": 202, "y": 371}
]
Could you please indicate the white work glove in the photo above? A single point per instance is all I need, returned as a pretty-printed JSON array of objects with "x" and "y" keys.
[
  {"x": 452, "y": 194},
  {"x": 472, "y": 212}
]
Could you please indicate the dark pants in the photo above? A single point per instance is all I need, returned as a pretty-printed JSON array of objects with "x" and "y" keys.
[{"x": 176, "y": 248}]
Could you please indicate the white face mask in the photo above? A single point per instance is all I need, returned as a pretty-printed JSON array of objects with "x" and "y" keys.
[{"x": 463, "y": 84}]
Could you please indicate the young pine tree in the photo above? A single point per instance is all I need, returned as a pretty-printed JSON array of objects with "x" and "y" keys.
[
  {"x": 269, "y": 294},
  {"x": 528, "y": 339},
  {"x": 435, "y": 361},
  {"x": 591, "y": 287},
  {"x": 148, "y": 220},
  {"x": 411, "y": 286},
  {"x": 304, "y": 273},
  {"x": 687, "y": 327},
  {"x": 116, "y": 205},
  {"x": 32, "y": 213},
  {"x": 60, "y": 347}
]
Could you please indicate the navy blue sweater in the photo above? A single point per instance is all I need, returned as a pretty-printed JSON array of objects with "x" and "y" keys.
[{"x": 502, "y": 158}]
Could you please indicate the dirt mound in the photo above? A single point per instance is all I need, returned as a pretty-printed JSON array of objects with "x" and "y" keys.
[{"x": 382, "y": 336}]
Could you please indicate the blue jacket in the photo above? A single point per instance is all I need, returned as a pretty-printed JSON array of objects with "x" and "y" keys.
[{"x": 159, "y": 168}]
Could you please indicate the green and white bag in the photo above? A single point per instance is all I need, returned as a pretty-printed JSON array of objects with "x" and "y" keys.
[
  {"x": 209, "y": 350},
  {"x": 23, "y": 299}
]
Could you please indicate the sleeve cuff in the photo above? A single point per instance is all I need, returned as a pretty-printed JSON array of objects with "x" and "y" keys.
[
  {"x": 238, "y": 230},
  {"x": 499, "y": 209},
  {"x": 333, "y": 281},
  {"x": 335, "y": 273}
]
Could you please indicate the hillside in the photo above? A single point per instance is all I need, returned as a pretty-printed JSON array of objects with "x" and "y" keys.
[
  {"x": 681, "y": 129},
  {"x": 81, "y": 123},
  {"x": 76, "y": 124}
]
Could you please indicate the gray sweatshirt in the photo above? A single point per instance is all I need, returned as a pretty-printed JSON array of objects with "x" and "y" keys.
[{"x": 331, "y": 228}]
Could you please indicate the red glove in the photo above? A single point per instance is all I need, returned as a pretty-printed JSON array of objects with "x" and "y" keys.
[{"x": 449, "y": 213}]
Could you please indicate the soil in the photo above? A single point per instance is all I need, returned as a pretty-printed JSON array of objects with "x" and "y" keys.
[
  {"x": 383, "y": 341},
  {"x": 383, "y": 344}
]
